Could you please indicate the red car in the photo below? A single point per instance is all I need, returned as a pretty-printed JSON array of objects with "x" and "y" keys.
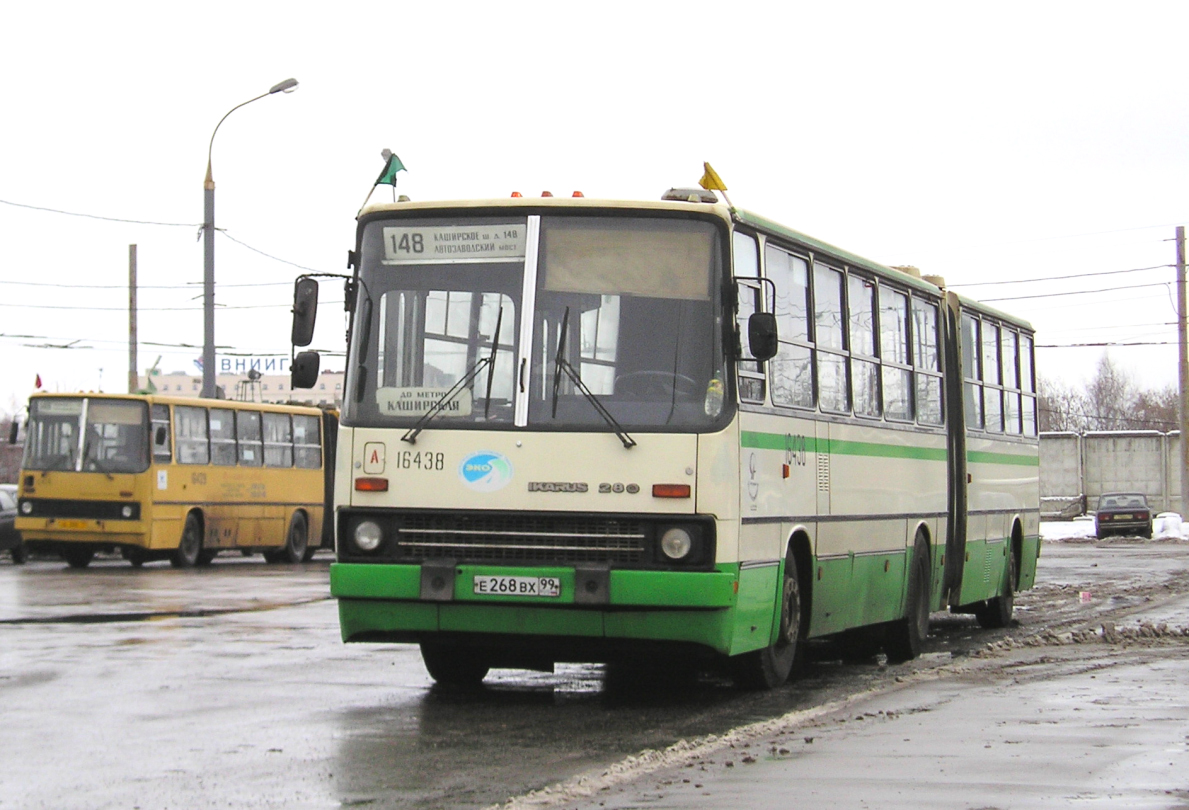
[{"x": 1125, "y": 513}]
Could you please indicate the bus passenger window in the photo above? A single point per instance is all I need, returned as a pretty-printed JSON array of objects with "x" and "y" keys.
[
  {"x": 278, "y": 440},
  {"x": 792, "y": 368},
  {"x": 247, "y": 433},
  {"x": 926, "y": 363},
  {"x": 192, "y": 438},
  {"x": 223, "y": 437},
  {"x": 893, "y": 348},
  {"x": 307, "y": 443}
]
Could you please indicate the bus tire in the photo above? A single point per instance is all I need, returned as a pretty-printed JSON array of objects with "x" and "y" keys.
[
  {"x": 19, "y": 554},
  {"x": 771, "y": 666},
  {"x": 906, "y": 636},
  {"x": 78, "y": 556},
  {"x": 189, "y": 549},
  {"x": 997, "y": 613},
  {"x": 297, "y": 539},
  {"x": 452, "y": 665}
]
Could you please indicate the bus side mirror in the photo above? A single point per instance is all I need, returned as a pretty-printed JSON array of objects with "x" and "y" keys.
[
  {"x": 305, "y": 310},
  {"x": 761, "y": 335},
  {"x": 303, "y": 371},
  {"x": 14, "y": 431}
]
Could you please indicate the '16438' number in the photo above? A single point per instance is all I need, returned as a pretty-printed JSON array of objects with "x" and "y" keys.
[{"x": 428, "y": 462}]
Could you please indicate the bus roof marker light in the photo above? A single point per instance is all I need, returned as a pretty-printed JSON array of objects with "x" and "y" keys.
[
  {"x": 577, "y": 194},
  {"x": 671, "y": 490},
  {"x": 517, "y": 194},
  {"x": 546, "y": 193}
]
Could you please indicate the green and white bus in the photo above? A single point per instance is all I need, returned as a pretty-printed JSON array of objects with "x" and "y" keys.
[{"x": 582, "y": 430}]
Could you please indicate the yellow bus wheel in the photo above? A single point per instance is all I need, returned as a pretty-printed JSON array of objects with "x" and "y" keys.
[
  {"x": 297, "y": 539},
  {"x": 78, "y": 556},
  {"x": 190, "y": 546}
]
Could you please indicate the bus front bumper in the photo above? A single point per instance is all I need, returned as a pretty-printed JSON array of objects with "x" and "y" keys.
[{"x": 400, "y": 603}]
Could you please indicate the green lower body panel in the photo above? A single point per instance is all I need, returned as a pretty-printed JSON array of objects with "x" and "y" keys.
[{"x": 379, "y": 602}]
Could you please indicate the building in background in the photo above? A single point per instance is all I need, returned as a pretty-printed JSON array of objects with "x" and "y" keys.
[{"x": 328, "y": 391}]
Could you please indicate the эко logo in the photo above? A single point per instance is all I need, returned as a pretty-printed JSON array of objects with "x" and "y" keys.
[{"x": 485, "y": 471}]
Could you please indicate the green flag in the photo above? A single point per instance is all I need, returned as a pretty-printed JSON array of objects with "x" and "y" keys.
[{"x": 388, "y": 176}]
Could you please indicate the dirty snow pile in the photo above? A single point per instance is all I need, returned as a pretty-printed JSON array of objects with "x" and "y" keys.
[{"x": 1165, "y": 526}]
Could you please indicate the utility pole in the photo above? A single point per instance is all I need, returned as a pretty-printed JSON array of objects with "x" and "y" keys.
[
  {"x": 1183, "y": 344},
  {"x": 133, "y": 377}
]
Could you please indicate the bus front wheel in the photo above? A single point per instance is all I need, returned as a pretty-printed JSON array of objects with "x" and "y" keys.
[
  {"x": 451, "y": 665},
  {"x": 78, "y": 556},
  {"x": 770, "y": 667},
  {"x": 190, "y": 546}
]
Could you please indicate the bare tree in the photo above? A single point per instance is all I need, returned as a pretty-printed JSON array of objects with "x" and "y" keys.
[
  {"x": 1061, "y": 407},
  {"x": 1156, "y": 410},
  {"x": 1110, "y": 397}
]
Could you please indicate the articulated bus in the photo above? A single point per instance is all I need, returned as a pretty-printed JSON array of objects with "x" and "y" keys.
[
  {"x": 174, "y": 478},
  {"x": 580, "y": 430}
]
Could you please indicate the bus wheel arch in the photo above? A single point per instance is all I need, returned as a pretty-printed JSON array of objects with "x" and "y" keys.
[
  {"x": 998, "y": 611},
  {"x": 297, "y": 538},
  {"x": 769, "y": 667},
  {"x": 189, "y": 549},
  {"x": 906, "y": 636}
]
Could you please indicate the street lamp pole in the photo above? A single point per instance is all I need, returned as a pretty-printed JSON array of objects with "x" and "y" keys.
[{"x": 208, "y": 247}]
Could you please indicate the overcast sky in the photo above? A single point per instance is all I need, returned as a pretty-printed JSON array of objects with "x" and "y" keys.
[{"x": 983, "y": 142}]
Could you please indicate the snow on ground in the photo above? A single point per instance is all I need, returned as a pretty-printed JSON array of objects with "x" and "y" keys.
[{"x": 1165, "y": 526}]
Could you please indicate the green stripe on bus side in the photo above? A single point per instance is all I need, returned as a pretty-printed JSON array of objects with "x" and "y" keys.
[
  {"x": 840, "y": 447},
  {"x": 979, "y": 457}
]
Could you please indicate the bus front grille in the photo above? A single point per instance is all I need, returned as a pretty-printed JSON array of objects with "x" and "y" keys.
[{"x": 522, "y": 539}]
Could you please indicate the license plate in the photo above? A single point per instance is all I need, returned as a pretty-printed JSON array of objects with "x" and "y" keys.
[
  {"x": 71, "y": 524},
  {"x": 1124, "y": 517},
  {"x": 517, "y": 586}
]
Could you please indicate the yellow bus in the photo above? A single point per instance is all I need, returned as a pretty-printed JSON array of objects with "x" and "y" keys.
[{"x": 174, "y": 478}]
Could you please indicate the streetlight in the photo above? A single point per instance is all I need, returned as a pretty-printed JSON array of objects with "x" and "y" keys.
[{"x": 208, "y": 248}]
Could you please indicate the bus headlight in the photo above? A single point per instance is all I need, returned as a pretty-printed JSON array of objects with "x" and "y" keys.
[
  {"x": 676, "y": 543},
  {"x": 368, "y": 536},
  {"x": 26, "y": 507},
  {"x": 126, "y": 511}
]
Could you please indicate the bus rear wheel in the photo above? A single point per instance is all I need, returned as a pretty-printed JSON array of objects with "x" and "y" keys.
[
  {"x": 906, "y": 636},
  {"x": 452, "y": 665},
  {"x": 297, "y": 539},
  {"x": 78, "y": 556},
  {"x": 770, "y": 667},
  {"x": 189, "y": 548},
  {"x": 997, "y": 612}
]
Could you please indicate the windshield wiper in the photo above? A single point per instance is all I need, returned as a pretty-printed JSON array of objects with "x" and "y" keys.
[
  {"x": 440, "y": 404},
  {"x": 560, "y": 364}
]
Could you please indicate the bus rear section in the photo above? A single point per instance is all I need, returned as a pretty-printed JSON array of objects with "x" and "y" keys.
[{"x": 157, "y": 478}]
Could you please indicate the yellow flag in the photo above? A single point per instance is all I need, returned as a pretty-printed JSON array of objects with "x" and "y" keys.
[{"x": 711, "y": 181}]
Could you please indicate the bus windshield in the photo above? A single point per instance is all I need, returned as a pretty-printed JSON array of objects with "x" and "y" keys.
[
  {"x": 87, "y": 434},
  {"x": 502, "y": 322}
]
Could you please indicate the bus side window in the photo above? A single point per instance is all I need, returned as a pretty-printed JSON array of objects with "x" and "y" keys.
[
  {"x": 747, "y": 265},
  {"x": 792, "y": 367},
  {"x": 247, "y": 433},
  {"x": 223, "y": 437},
  {"x": 160, "y": 423},
  {"x": 278, "y": 440},
  {"x": 192, "y": 436},
  {"x": 307, "y": 442}
]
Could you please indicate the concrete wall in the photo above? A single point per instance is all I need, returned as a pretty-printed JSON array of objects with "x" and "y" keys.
[{"x": 1078, "y": 468}]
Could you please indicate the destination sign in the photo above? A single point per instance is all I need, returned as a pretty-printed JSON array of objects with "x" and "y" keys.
[{"x": 424, "y": 244}]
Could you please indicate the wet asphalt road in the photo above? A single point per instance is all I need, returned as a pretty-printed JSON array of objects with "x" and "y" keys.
[{"x": 228, "y": 687}]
